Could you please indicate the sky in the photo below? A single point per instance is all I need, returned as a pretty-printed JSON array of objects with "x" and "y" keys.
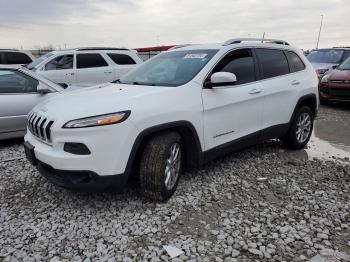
[{"x": 30, "y": 24}]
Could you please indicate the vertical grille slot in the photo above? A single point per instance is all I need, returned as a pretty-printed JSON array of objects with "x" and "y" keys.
[
  {"x": 48, "y": 130},
  {"x": 40, "y": 126}
]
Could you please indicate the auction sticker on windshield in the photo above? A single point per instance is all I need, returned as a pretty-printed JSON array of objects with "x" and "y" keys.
[{"x": 195, "y": 56}]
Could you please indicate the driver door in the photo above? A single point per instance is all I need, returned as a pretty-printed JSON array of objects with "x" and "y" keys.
[
  {"x": 60, "y": 70},
  {"x": 233, "y": 113},
  {"x": 18, "y": 95}
]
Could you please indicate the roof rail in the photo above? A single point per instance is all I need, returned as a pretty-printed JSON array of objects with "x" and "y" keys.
[
  {"x": 8, "y": 49},
  {"x": 262, "y": 40},
  {"x": 100, "y": 48},
  {"x": 179, "y": 46}
]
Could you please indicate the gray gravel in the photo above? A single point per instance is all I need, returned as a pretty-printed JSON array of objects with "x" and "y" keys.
[{"x": 225, "y": 211}]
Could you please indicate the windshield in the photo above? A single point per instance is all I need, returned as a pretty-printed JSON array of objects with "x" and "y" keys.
[
  {"x": 173, "y": 68},
  {"x": 345, "y": 65},
  {"x": 38, "y": 60},
  {"x": 331, "y": 56}
]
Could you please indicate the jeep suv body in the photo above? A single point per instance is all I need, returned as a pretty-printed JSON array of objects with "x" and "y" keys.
[
  {"x": 180, "y": 109},
  {"x": 85, "y": 66}
]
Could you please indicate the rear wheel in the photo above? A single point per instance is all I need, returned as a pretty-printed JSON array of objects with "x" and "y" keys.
[
  {"x": 161, "y": 165},
  {"x": 301, "y": 128}
]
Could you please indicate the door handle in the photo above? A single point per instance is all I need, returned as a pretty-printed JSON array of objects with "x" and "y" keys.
[
  {"x": 295, "y": 83},
  {"x": 70, "y": 74},
  {"x": 108, "y": 72},
  {"x": 255, "y": 91}
]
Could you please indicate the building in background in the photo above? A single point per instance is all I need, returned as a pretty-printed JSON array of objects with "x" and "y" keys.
[{"x": 146, "y": 53}]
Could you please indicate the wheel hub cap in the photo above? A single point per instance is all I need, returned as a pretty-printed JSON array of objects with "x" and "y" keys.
[
  {"x": 172, "y": 167},
  {"x": 303, "y": 127}
]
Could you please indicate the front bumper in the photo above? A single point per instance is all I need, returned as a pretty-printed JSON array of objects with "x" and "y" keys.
[
  {"x": 334, "y": 93},
  {"x": 79, "y": 180},
  {"x": 85, "y": 181}
]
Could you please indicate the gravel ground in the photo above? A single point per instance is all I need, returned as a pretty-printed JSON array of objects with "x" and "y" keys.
[{"x": 255, "y": 205}]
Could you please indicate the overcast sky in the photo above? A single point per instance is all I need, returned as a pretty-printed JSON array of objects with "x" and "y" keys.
[{"x": 140, "y": 23}]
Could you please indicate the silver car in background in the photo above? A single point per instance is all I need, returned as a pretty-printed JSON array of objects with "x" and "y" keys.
[{"x": 20, "y": 91}]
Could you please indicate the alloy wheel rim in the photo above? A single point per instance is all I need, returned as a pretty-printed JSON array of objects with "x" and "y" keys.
[
  {"x": 173, "y": 165},
  {"x": 303, "y": 127}
]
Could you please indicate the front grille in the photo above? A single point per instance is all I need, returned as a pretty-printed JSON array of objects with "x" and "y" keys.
[
  {"x": 341, "y": 93},
  {"x": 40, "y": 126}
]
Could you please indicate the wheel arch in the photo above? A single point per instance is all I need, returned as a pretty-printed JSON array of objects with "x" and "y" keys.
[
  {"x": 309, "y": 100},
  {"x": 191, "y": 143}
]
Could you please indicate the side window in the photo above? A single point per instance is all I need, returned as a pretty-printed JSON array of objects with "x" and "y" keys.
[
  {"x": 121, "y": 59},
  {"x": 12, "y": 81},
  {"x": 12, "y": 58},
  {"x": 60, "y": 63},
  {"x": 295, "y": 63},
  {"x": 273, "y": 62},
  {"x": 2, "y": 60},
  {"x": 346, "y": 55},
  {"x": 90, "y": 60},
  {"x": 241, "y": 63}
]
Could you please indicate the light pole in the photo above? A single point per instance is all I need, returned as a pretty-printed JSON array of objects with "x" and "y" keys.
[{"x": 319, "y": 32}]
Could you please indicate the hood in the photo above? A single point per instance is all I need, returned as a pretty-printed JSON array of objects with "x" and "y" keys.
[
  {"x": 323, "y": 65},
  {"x": 96, "y": 100},
  {"x": 339, "y": 75}
]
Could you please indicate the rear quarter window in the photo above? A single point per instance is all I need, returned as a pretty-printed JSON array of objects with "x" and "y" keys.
[
  {"x": 273, "y": 62},
  {"x": 295, "y": 62},
  {"x": 121, "y": 59}
]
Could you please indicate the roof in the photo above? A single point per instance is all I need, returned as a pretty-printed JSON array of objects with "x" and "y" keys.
[{"x": 8, "y": 49}]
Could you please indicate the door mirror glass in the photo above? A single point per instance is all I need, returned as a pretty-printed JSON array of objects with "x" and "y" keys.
[
  {"x": 43, "y": 89},
  {"x": 219, "y": 79}
]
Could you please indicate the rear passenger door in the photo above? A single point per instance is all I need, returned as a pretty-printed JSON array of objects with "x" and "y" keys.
[
  {"x": 280, "y": 85},
  {"x": 123, "y": 64},
  {"x": 93, "y": 69}
]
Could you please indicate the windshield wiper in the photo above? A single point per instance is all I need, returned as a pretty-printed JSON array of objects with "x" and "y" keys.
[
  {"x": 142, "y": 84},
  {"x": 116, "y": 81}
]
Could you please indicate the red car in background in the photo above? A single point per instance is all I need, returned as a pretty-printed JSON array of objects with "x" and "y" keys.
[{"x": 335, "y": 84}]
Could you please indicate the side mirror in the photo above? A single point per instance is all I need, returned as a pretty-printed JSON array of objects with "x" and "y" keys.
[
  {"x": 334, "y": 66},
  {"x": 220, "y": 79},
  {"x": 43, "y": 89}
]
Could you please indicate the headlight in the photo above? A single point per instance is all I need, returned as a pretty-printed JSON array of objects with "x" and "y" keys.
[
  {"x": 320, "y": 72},
  {"x": 325, "y": 79},
  {"x": 100, "y": 120}
]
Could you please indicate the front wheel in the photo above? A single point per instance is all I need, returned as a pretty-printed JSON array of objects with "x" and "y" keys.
[
  {"x": 300, "y": 129},
  {"x": 161, "y": 165}
]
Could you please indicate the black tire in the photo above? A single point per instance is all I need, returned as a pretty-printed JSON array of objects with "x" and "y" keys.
[
  {"x": 153, "y": 166},
  {"x": 291, "y": 139}
]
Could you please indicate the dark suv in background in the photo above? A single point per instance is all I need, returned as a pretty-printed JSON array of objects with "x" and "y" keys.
[
  {"x": 324, "y": 59},
  {"x": 15, "y": 57}
]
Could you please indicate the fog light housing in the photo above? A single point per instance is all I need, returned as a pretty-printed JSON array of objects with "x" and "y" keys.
[{"x": 76, "y": 149}]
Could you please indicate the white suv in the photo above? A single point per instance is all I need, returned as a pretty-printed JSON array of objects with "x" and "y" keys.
[
  {"x": 85, "y": 66},
  {"x": 180, "y": 109}
]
